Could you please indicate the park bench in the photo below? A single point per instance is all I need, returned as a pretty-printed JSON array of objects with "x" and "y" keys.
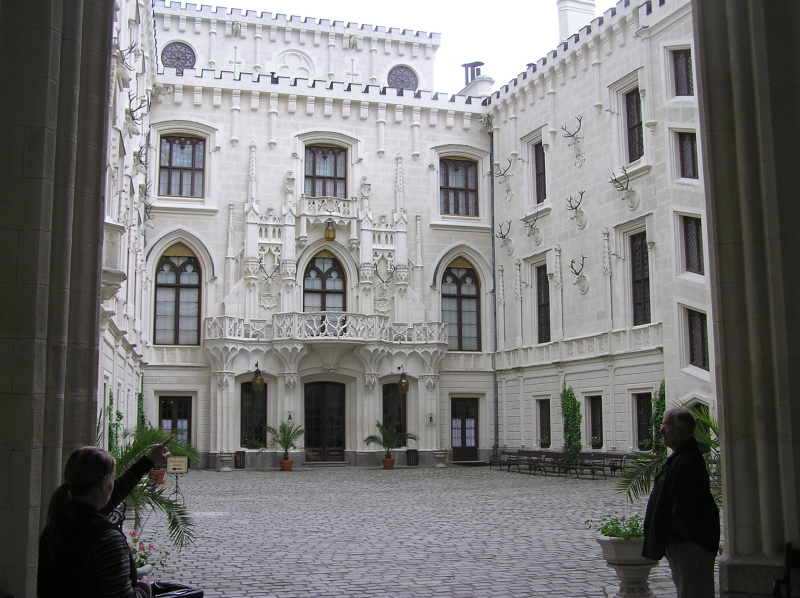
[
  {"x": 553, "y": 462},
  {"x": 593, "y": 464},
  {"x": 506, "y": 457},
  {"x": 615, "y": 462}
]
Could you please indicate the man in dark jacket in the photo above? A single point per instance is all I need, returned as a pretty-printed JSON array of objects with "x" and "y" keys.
[{"x": 682, "y": 519}]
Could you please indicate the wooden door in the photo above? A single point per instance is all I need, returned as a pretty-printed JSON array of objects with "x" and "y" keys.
[
  {"x": 464, "y": 429},
  {"x": 324, "y": 421},
  {"x": 175, "y": 415}
]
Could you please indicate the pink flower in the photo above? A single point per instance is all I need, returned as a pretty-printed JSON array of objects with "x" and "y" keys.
[
  {"x": 152, "y": 546},
  {"x": 133, "y": 533}
]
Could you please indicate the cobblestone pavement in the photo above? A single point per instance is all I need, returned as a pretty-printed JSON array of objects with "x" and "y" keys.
[{"x": 457, "y": 532}]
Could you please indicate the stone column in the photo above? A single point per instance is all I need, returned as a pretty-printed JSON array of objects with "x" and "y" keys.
[
  {"x": 749, "y": 82},
  {"x": 53, "y": 125}
]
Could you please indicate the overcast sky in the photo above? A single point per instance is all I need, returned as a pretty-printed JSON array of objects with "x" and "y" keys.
[{"x": 505, "y": 36}]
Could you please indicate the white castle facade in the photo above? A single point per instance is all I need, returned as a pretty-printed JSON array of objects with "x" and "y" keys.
[{"x": 284, "y": 194}]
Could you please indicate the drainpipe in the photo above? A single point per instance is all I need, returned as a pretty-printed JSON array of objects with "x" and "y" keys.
[{"x": 496, "y": 444}]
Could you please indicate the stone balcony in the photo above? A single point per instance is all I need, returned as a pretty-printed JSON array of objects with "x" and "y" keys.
[{"x": 326, "y": 326}]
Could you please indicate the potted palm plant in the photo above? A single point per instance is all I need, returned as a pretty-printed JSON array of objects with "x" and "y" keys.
[
  {"x": 285, "y": 437},
  {"x": 144, "y": 497},
  {"x": 388, "y": 437}
]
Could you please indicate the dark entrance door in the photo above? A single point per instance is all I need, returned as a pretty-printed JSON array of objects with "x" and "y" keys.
[
  {"x": 464, "y": 429},
  {"x": 324, "y": 437},
  {"x": 175, "y": 415}
]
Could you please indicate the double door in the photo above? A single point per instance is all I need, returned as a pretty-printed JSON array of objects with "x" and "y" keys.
[
  {"x": 464, "y": 429},
  {"x": 324, "y": 421}
]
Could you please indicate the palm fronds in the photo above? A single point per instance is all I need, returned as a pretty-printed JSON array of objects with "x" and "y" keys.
[
  {"x": 388, "y": 437},
  {"x": 150, "y": 497},
  {"x": 285, "y": 437}
]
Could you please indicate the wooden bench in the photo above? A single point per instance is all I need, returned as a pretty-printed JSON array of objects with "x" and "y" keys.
[
  {"x": 553, "y": 462},
  {"x": 506, "y": 457},
  {"x": 593, "y": 464},
  {"x": 615, "y": 462},
  {"x": 530, "y": 458}
]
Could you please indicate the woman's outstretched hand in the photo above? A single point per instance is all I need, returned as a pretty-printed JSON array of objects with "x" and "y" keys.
[{"x": 158, "y": 453}]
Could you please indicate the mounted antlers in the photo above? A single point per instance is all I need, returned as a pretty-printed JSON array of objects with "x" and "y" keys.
[
  {"x": 532, "y": 225},
  {"x": 270, "y": 277},
  {"x": 143, "y": 103},
  {"x": 571, "y": 205},
  {"x": 618, "y": 184},
  {"x": 503, "y": 235},
  {"x": 501, "y": 173},
  {"x": 389, "y": 271},
  {"x": 572, "y": 266},
  {"x": 579, "y": 118}
]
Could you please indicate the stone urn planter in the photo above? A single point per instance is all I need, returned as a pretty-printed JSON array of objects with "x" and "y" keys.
[
  {"x": 225, "y": 460},
  {"x": 633, "y": 570},
  {"x": 440, "y": 456}
]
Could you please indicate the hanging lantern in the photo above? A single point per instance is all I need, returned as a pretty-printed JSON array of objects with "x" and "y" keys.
[
  {"x": 258, "y": 381},
  {"x": 402, "y": 385},
  {"x": 330, "y": 232}
]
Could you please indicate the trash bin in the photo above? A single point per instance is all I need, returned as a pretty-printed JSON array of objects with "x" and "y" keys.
[
  {"x": 238, "y": 459},
  {"x": 412, "y": 457}
]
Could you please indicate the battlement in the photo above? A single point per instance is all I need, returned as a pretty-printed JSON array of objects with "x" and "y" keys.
[
  {"x": 204, "y": 11},
  {"x": 267, "y": 83},
  {"x": 600, "y": 37}
]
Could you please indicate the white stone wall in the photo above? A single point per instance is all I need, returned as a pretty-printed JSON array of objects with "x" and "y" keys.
[{"x": 256, "y": 127}]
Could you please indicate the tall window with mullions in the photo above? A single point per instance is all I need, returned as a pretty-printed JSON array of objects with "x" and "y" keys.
[
  {"x": 177, "y": 301},
  {"x": 640, "y": 279},
  {"x": 325, "y": 172},
  {"x": 543, "y": 304},
  {"x": 182, "y": 166},
  {"x": 458, "y": 187},
  {"x": 460, "y": 305}
]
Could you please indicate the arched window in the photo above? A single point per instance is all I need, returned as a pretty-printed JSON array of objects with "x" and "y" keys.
[
  {"x": 177, "y": 298},
  {"x": 182, "y": 166},
  {"x": 324, "y": 290},
  {"x": 178, "y": 55},
  {"x": 461, "y": 306},
  {"x": 324, "y": 284},
  {"x": 325, "y": 171}
]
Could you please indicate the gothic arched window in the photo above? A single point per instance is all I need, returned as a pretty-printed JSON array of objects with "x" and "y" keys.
[
  {"x": 177, "y": 300},
  {"x": 461, "y": 305},
  {"x": 324, "y": 290},
  {"x": 402, "y": 77},
  {"x": 178, "y": 55}
]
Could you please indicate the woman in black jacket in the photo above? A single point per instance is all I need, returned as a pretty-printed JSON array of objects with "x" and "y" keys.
[{"x": 81, "y": 553}]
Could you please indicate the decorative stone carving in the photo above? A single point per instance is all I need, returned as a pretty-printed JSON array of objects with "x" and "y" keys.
[
  {"x": 268, "y": 301},
  {"x": 370, "y": 380}
]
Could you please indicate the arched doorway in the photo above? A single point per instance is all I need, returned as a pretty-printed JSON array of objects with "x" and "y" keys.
[{"x": 324, "y": 421}]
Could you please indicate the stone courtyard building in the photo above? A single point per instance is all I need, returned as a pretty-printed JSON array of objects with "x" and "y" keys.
[
  {"x": 286, "y": 194},
  {"x": 190, "y": 194}
]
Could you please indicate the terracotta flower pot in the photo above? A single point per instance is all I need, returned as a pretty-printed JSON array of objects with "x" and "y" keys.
[
  {"x": 286, "y": 465},
  {"x": 633, "y": 570},
  {"x": 158, "y": 475},
  {"x": 388, "y": 463}
]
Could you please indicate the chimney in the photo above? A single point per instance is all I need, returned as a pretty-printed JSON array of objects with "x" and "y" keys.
[{"x": 572, "y": 15}]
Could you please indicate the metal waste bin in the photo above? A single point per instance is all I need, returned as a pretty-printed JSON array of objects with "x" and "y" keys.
[
  {"x": 238, "y": 459},
  {"x": 412, "y": 457}
]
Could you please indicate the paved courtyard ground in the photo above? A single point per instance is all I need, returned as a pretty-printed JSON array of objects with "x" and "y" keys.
[{"x": 458, "y": 532}]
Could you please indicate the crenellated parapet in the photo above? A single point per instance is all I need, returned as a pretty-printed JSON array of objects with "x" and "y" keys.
[
  {"x": 575, "y": 57},
  {"x": 262, "y": 42}
]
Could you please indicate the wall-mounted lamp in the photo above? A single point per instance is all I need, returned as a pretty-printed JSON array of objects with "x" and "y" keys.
[
  {"x": 258, "y": 381},
  {"x": 330, "y": 232},
  {"x": 402, "y": 385}
]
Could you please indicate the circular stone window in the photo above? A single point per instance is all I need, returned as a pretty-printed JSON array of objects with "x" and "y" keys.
[
  {"x": 178, "y": 55},
  {"x": 402, "y": 77}
]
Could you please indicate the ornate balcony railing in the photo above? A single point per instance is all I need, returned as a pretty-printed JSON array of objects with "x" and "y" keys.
[{"x": 314, "y": 326}]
